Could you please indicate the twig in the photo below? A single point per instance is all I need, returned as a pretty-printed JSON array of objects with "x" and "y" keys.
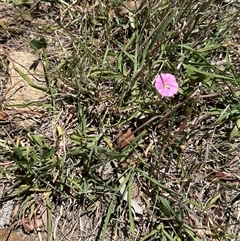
[{"x": 167, "y": 113}]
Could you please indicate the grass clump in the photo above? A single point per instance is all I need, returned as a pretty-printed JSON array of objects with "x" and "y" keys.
[{"x": 136, "y": 165}]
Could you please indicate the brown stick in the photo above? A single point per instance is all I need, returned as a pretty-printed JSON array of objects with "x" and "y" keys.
[{"x": 175, "y": 107}]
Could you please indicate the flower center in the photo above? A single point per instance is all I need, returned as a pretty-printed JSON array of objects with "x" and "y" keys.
[{"x": 165, "y": 86}]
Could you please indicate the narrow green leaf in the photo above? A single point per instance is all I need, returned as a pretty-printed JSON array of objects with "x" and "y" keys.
[
  {"x": 161, "y": 29},
  {"x": 209, "y": 74},
  {"x": 49, "y": 219},
  {"x": 29, "y": 81},
  {"x": 131, "y": 220},
  {"x": 36, "y": 140},
  {"x": 212, "y": 201},
  {"x": 107, "y": 219},
  {"x": 167, "y": 209},
  {"x": 235, "y": 130}
]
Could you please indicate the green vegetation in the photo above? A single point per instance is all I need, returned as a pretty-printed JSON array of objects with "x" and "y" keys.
[{"x": 174, "y": 175}]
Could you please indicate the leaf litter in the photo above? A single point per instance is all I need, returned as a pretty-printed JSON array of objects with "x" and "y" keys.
[{"x": 213, "y": 176}]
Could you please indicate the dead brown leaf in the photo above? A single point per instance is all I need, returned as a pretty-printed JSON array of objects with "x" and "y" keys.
[
  {"x": 131, "y": 6},
  {"x": 18, "y": 90},
  {"x": 9, "y": 235},
  {"x": 36, "y": 220},
  {"x": 220, "y": 176},
  {"x": 217, "y": 211},
  {"x": 4, "y": 118},
  {"x": 124, "y": 139},
  {"x": 15, "y": 210},
  {"x": 28, "y": 224},
  {"x": 6, "y": 17},
  {"x": 6, "y": 20}
]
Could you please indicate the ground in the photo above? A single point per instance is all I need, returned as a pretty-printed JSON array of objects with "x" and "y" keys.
[{"x": 89, "y": 150}]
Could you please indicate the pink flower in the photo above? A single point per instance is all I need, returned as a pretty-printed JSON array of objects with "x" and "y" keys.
[{"x": 166, "y": 84}]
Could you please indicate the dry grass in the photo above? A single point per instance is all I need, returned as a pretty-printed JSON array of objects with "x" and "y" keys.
[{"x": 104, "y": 157}]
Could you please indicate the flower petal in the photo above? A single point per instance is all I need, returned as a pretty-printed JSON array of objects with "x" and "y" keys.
[
  {"x": 166, "y": 84},
  {"x": 168, "y": 78},
  {"x": 158, "y": 82},
  {"x": 166, "y": 93}
]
